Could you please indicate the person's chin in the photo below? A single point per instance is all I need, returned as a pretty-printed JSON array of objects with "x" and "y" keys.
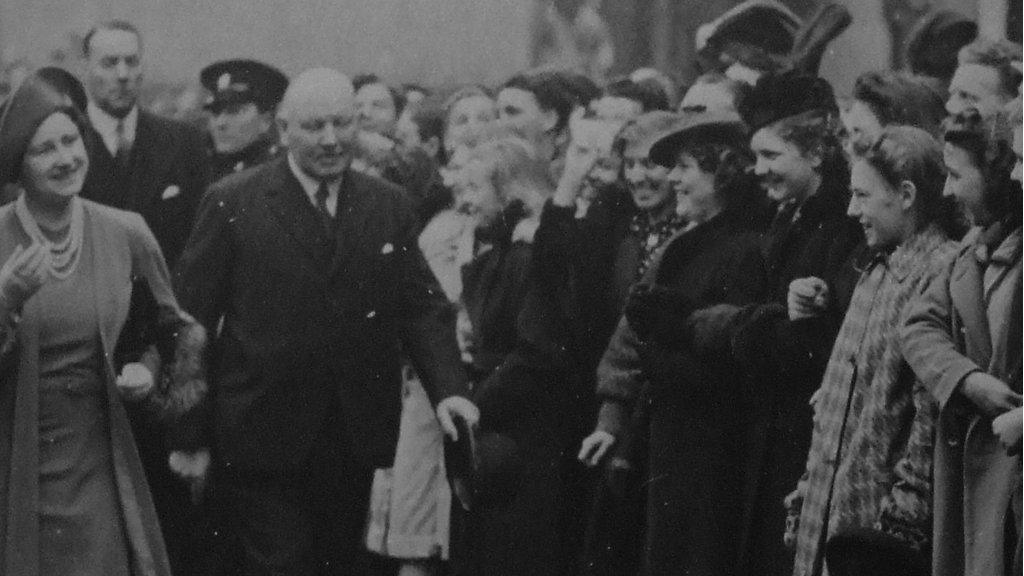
[
  {"x": 777, "y": 193},
  {"x": 331, "y": 168},
  {"x": 870, "y": 238},
  {"x": 225, "y": 149}
]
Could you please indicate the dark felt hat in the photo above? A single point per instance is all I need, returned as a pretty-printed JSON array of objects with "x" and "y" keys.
[
  {"x": 65, "y": 83},
  {"x": 869, "y": 552},
  {"x": 699, "y": 127},
  {"x": 778, "y": 96},
  {"x": 22, "y": 113},
  {"x": 241, "y": 82},
  {"x": 933, "y": 43},
  {"x": 754, "y": 32}
]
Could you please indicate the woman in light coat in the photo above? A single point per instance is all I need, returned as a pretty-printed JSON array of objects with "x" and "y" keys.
[
  {"x": 963, "y": 339},
  {"x": 73, "y": 494}
]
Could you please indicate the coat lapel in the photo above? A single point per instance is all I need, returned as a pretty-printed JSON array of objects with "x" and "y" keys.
[
  {"x": 145, "y": 166},
  {"x": 297, "y": 216},
  {"x": 353, "y": 200},
  {"x": 102, "y": 183},
  {"x": 966, "y": 291}
]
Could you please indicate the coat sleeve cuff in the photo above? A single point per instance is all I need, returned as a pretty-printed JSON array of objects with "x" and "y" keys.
[
  {"x": 612, "y": 417},
  {"x": 950, "y": 381}
]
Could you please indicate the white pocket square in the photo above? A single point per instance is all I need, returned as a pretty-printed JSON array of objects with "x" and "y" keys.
[{"x": 171, "y": 191}]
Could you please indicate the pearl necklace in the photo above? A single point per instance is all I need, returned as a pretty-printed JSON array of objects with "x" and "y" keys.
[{"x": 65, "y": 254}]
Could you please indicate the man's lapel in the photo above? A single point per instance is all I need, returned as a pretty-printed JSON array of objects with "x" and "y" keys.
[
  {"x": 353, "y": 209},
  {"x": 145, "y": 165},
  {"x": 296, "y": 215}
]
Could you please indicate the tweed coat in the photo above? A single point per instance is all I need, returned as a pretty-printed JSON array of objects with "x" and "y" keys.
[
  {"x": 947, "y": 336},
  {"x": 122, "y": 247},
  {"x": 870, "y": 460}
]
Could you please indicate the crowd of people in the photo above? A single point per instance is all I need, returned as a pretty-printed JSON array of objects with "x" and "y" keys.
[{"x": 553, "y": 327}]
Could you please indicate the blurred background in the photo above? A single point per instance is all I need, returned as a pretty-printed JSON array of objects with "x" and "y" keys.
[{"x": 432, "y": 42}]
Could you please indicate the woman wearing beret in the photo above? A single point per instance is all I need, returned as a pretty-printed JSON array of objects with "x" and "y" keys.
[
  {"x": 869, "y": 467},
  {"x": 962, "y": 337},
  {"x": 698, "y": 421},
  {"x": 73, "y": 492}
]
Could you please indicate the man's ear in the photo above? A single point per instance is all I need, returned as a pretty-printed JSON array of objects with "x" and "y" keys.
[
  {"x": 432, "y": 146},
  {"x": 549, "y": 120}
]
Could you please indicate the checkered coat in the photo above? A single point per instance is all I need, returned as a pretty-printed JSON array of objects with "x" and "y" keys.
[{"x": 870, "y": 462}]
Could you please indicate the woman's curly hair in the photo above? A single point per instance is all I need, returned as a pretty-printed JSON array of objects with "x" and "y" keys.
[
  {"x": 731, "y": 167},
  {"x": 989, "y": 144},
  {"x": 912, "y": 154}
]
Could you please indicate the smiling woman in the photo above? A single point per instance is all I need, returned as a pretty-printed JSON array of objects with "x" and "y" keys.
[
  {"x": 69, "y": 266},
  {"x": 868, "y": 480},
  {"x": 897, "y": 188}
]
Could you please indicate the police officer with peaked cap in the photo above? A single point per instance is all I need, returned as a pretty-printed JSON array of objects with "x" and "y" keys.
[{"x": 243, "y": 97}]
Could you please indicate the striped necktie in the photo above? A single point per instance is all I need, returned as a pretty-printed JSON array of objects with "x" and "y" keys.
[{"x": 326, "y": 220}]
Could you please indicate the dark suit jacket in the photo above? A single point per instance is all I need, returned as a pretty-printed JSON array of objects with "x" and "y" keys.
[
  {"x": 164, "y": 180},
  {"x": 311, "y": 328}
]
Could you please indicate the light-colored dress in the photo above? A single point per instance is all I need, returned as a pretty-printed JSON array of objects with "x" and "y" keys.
[
  {"x": 81, "y": 529},
  {"x": 410, "y": 503}
]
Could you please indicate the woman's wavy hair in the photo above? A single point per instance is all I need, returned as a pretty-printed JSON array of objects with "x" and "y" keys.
[
  {"x": 901, "y": 99},
  {"x": 911, "y": 154},
  {"x": 514, "y": 160},
  {"x": 989, "y": 144},
  {"x": 551, "y": 91},
  {"x": 816, "y": 133},
  {"x": 731, "y": 167}
]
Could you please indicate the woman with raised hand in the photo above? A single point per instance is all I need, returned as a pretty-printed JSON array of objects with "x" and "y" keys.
[{"x": 74, "y": 494}]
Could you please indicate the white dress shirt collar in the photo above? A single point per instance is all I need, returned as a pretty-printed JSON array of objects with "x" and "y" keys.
[
  {"x": 310, "y": 186},
  {"x": 106, "y": 125}
]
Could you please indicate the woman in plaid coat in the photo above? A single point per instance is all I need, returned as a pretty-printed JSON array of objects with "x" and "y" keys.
[{"x": 870, "y": 462}]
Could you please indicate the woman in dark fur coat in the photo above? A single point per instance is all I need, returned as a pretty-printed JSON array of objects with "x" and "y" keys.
[{"x": 698, "y": 438}]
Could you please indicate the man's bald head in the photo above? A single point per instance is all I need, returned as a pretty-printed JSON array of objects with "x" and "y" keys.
[
  {"x": 316, "y": 85},
  {"x": 316, "y": 120}
]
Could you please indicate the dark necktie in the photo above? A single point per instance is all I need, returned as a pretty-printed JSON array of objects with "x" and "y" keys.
[
  {"x": 326, "y": 220},
  {"x": 123, "y": 146}
]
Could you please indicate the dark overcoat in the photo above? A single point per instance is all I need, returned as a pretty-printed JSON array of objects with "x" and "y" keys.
[
  {"x": 309, "y": 325},
  {"x": 163, "y": 180},
  {"x": 699, "y": 417}
]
